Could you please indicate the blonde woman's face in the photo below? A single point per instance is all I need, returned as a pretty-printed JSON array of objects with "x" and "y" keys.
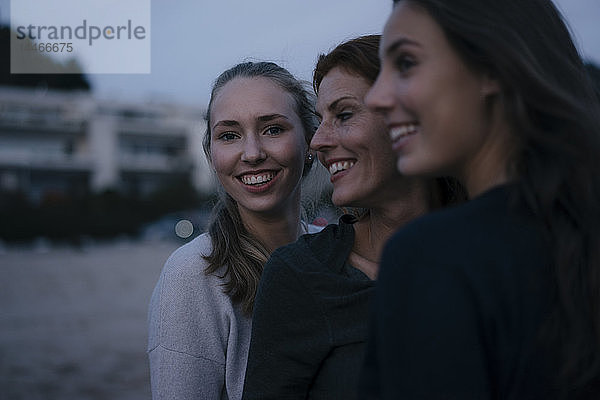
[{"x": 257, "y": 145}]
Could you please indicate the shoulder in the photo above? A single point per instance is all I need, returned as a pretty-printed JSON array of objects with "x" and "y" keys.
[
  {"x": 482, "y": 240},
  {"x": 189, "y": 313},
  {"x": 183, "y": 278},
  {"x": 479, "y": 221},
  {"x": 188, "y": 260},
  {"x": 310, "y": 252},
  {"x": 185, "y": 290},
  {"x": 190, "y": 255}
]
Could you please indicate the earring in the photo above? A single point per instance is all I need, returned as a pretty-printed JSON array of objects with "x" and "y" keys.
[{"x": 308, "y": 162}]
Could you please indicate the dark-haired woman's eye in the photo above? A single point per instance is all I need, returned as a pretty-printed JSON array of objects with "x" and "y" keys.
[{"x": 404, "y": 63}]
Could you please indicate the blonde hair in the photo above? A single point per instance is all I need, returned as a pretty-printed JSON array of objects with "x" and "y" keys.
[{"x": 232, "y": 245}]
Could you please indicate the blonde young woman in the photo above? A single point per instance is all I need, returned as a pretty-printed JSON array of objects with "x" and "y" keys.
[{"x": 259, "y": 124}]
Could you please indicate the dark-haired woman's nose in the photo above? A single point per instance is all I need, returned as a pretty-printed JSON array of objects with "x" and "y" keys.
[{"x": 380, "y": 96}]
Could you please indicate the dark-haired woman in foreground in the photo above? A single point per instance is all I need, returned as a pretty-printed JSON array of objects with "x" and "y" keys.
[
  {"x": 498, "y": 298},
  {"x": 311, "y": 313}
]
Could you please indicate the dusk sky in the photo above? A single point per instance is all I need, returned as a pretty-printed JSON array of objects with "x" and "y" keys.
[{"x": 192, "y": 41}]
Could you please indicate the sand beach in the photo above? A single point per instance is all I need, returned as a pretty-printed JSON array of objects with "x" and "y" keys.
[{"x": 73, "y": 320}]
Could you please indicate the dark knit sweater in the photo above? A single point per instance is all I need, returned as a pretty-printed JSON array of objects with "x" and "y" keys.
[
  {"x": 310, "y": 320},
  {"x": 462, "y": 296}
]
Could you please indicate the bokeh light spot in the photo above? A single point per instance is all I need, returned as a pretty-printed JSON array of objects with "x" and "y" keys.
[{"x": 184, "y": 229}]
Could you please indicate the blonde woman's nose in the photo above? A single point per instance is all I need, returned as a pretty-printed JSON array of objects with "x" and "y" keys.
[{"x": 253, "y": 151}]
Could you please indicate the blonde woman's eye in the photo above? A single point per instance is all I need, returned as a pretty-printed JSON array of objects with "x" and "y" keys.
[
  {"x": 227, "y": 136},
  {"x": 273, "y": 130}
]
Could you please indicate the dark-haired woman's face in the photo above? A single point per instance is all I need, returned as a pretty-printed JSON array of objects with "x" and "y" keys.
[{"x": 434, "y": 106}]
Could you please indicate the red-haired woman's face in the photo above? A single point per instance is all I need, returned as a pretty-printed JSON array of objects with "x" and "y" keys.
[{"x": 352, "y": 143}]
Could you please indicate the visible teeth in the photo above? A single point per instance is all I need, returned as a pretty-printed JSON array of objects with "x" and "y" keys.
[
  {"x": 340, "y": 166},
  {"x": 403, "y": 130},
  {"x": 257, "y": 179}
]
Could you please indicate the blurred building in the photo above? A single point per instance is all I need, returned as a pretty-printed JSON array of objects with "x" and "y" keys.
[{"x": 58, "y": 143}]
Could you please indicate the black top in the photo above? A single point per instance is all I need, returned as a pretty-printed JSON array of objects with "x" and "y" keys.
[
  {"x": 459, "y": 307},
  {"x": 310, "y": 320}
]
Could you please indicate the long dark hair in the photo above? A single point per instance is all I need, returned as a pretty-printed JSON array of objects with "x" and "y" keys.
[
  {"x": 233, "y": 246},
  {"x": 360, "y": 56},
  {"x": 555, "y": 117}
]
